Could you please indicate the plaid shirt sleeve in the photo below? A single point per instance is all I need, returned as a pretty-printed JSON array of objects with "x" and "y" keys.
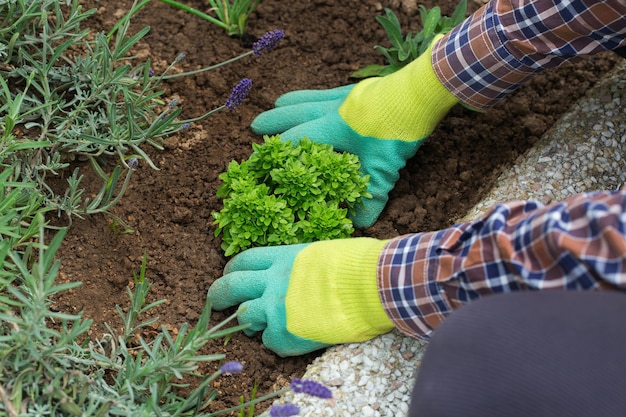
[
  {"x": 506, "y": 42},
  {"x": 576, "y": 244}
]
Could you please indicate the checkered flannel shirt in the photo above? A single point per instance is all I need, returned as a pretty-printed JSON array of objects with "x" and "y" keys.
[
  {"x": 576, "y": 244},
  {"x": 506, "y": 42}
]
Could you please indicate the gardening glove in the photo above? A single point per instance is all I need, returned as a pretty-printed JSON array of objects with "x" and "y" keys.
[
  {"x": 308, "y": 296},
  {"x": 382, "y": 120}
]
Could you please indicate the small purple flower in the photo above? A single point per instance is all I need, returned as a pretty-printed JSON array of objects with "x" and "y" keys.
[
  {"x": 306, "y": 386},
  {"x": 267, "y": 41},
  {"x": 180, "y": 57},
  {"x": 132, "y": 163},
  {"x": 232, "y": 367},
  {"x": 150, "y": 72},
  {"x": 185, "y": 126},
  {"x": 173, "y": 103},
  {"x": 284, "y": 410},
  {"x": 239, "y": 93}
]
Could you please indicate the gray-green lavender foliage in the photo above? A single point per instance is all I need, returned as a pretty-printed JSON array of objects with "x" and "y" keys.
[
  {"x": 66, "y": 95},
  {"x": 44, "y": 370}
]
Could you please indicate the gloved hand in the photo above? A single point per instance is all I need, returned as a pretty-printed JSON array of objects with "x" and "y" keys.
[
  {"x": 308, "y": 296},
  {"x": 383, "y": 120}
]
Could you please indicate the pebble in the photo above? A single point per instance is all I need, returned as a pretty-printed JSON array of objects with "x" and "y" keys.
[{"x": 368, "y": 411}]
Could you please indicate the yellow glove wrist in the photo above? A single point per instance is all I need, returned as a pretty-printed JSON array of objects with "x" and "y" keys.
[
  {"x": 333, "y": 294},
  {"x": 405, "y": 105}
]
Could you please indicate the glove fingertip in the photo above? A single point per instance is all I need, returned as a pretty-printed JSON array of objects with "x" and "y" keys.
[
  {"x": 263, "y": 125},
  {"x": 215, "y": 299}
]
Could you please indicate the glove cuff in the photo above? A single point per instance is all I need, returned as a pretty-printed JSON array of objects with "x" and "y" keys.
[
  {"x": 405, "y": 105},
  {"x": 336, "y": 280}
]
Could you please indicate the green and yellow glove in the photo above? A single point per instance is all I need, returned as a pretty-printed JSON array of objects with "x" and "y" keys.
[
  {"x": 306, "y": 297},
  {"x": 382, "y": 120}
]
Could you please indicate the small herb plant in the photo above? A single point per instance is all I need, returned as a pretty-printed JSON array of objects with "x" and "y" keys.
[
  {"x": 230, "y": 15},
  {"x": 288, "y": 193},
  {"x": 406, "y": 50}
]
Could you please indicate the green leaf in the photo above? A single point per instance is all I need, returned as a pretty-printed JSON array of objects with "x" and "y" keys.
[
  {"x": 402, "y": 52},
  {"x": 430, "y": 23},
  {"x": 459, "y": 13},
  {"x": 391, "y": 24}
]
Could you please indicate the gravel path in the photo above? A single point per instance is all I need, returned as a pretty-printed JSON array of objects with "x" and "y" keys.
[{"x": 585, "y": 150}]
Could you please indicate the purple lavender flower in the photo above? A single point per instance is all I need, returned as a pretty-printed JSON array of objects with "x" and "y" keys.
[
  {"x": 232, "y": 367},
  {"x": 185, "y": 126},
  {"x": 132, "y": 163},
  {"x": 306, "y": 386},
  {"x": 267, "y": 41},
  {"x": 180, "y": 57},
  {"x": 173, "y": 103},
  {"x": 150, "y": 72},
  {"x": 284, "y": 410},
  {"x": 239, "y": 93}
]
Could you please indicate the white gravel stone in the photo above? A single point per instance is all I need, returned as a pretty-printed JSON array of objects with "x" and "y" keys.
[{"x": 584, "y": 152}]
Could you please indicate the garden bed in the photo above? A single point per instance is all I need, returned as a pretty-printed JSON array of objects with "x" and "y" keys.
[{"x": 170, "y": 209}]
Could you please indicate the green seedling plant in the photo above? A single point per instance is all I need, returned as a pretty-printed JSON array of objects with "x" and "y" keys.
[
  {"x": 69, "y": 99},
  {"x": 230, "y": 15},
  {"x": 404, "y": 50},
  {"x": 288, "y": 193},
  {"x": 242, "y": 401}
]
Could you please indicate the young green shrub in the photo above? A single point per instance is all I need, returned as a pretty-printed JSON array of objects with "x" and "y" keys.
[
  {"x": 288, "y": 193},
  {"x": 403, "y": 51}
]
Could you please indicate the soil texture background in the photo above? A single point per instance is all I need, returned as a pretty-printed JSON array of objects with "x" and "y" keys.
[{"x": 170, "y": 209}]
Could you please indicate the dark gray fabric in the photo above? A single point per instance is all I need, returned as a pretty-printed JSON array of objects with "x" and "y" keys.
[{"x": 527, "y": 354}]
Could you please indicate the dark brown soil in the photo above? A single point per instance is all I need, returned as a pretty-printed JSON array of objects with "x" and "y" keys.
[{"x": 170, "y": 209}]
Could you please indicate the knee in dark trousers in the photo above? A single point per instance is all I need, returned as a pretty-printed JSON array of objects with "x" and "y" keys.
[{"x": 527, "y": 354}]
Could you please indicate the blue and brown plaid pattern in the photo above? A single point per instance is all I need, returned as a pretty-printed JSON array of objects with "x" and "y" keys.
[
  {"x": 577, "y": 244},
  {"x": 503, "y": 44}
]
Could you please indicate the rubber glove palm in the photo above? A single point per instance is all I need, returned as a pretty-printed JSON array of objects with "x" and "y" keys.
[
  {"x": 382, "y": 120},
  {"x": 301, "y": 304}
]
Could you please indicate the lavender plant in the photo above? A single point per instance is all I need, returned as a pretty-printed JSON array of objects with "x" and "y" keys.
[
  {"x": 65, "y": 96},
  {"x": 45, "y": 369},
  {"x": 405, "y": 50},
  {"x": 288, "y": 193},
  {"x": 230, "y": 15}
]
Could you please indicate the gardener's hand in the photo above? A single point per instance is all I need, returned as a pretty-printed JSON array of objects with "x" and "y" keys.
[
  {"x": 306, "y": 297},
  {"x": 382, "y": 120}
]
